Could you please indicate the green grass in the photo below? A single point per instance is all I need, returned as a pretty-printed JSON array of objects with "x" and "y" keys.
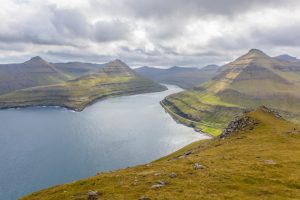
[
  {"x": 236, "y": 167},
  {"x": 209, "y": 113},
  {"x": 77, "y": 94}
]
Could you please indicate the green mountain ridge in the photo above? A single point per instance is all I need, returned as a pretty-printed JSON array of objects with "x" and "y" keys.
[
  {"x": 252, "y": 80},
  {"x": 32, "y": 73},
  {"x": 114, "y": 79}
]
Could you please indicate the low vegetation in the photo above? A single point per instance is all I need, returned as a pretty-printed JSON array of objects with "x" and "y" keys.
[{"x": 258, "y": 161}]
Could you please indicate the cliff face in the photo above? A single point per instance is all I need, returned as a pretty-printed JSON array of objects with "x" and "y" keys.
[{"x": 257, "y": 159}]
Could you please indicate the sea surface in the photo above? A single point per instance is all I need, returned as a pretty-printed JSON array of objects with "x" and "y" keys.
[{"x": 46, "y": 146}]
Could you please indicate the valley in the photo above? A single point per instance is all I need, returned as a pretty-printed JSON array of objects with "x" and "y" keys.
[{"x": 183, "y": 77}]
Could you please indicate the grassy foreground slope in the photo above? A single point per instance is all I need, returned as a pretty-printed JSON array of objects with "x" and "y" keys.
[
  {"x": 115, "y": 79},
  {"x": 259, "y": 161},
  {"x": 250, "y": 81}
]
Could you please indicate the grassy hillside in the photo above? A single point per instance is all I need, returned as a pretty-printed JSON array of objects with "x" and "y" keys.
[
  {"x": 252, "y": 80},
  {"x": 259, "y": 161},
  {"x": 115, "y": 79},
  {"x": 32, "y": 73},
  {"x": 180, "y": 76}
]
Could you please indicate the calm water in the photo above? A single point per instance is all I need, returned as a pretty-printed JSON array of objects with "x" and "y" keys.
[{"x": 41, "y": 147}]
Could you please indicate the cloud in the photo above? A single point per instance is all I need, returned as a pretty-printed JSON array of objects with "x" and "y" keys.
[
  {"x": 161, "y": 33},
  {"x": 70, "y": 22},
  {"x": 107, "y": 31}
]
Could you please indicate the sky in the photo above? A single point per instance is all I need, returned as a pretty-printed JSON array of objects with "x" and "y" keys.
[{"x": 163, "y": 33}]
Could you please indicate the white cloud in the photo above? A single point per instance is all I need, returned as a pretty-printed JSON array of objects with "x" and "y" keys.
[{"x": 162, "y": 33}]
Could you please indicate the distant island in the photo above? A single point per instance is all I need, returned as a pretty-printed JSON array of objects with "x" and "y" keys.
[{"x": 71, "y": 85}]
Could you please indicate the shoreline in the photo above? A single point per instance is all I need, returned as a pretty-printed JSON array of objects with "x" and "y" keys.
[
  {"x": 78, "y": 108},
  {"x": 181, "y": 120}
]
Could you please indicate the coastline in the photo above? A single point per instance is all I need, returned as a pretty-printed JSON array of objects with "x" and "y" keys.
[
  {"x": 72, "y": 104},
  {"x": 197, "y": 126}
]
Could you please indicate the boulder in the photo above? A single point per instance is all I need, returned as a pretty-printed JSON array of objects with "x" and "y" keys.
[
  {"x": 173, "y": 175},
  {"x": 92, "y": 195},
  {"x": 198, "y": 166}
]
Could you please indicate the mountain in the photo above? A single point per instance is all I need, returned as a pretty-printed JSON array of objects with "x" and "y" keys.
[
  {"x": 32, "y": 73},
  {"x": 77, "y": 69},
  {"x": 180, "y": 76},
  {"x": 258, "y": 159},
  {"x": 252, "y": 80},
  {"x": 285, "y": 57},
  {"x": 115, "y": 79}
]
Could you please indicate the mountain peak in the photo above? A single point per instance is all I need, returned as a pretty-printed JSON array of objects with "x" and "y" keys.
[
  {"x": 286, "y": 57},
  {"x": 118, "y": 67},
  {"x": 254, "y": 55},
  {"x": 256, "y": 52},
  {"x": 36, "y": 60},
  {"x": 210, "y": 67}
]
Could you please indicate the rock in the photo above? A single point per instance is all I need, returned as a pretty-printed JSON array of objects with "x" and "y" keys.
[
  {"x": 156, "y": 186},
  {"x": 144, "y": 198},
  {"x": 188, "y": 153},
  {"x": 173, "y": 175},
  {"x": 157, "y": 174},
  {"x": 237, "y": 124},
  {"x": 266, "y": 109},
  {"x": 197, "y": 166},
  {"x": 92, "y": 195},
  {"x": 270, "y": 162},
  {"x": 159, "y": 184}
]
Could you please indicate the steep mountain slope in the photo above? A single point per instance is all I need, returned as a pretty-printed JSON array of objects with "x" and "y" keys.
[
  {"x": 77, "y": 69},
  {"x": 35, "y": 72},
  {"x": 259, "y": 160},
  {"x": 115, "y": 79},
  {"x": 181, "y": 76},
  {"x": 252, "y": 80},
  {"x": 286, "y": 57}
]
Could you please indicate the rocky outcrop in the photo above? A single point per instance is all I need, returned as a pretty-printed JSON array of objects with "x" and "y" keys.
[
  {"x": 268, "y": 110},
  {"x": 237, "y": 124},
  {"x": 244, "y": 121}
]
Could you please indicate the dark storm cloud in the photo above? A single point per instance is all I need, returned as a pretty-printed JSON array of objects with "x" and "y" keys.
[
  {"x": 184, "y": 8},
  {"x": 111, "y": 31},
  {"x": 58, "y": 56},
  {"x": 287, "y": 35},
  {"x": 70, "y": 22}
]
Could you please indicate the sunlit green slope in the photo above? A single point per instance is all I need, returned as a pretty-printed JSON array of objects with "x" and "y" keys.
[{"x": 252, "y": 80}]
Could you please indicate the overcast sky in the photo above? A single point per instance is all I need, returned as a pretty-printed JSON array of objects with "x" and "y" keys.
[{"x": 147, "y": 32}]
